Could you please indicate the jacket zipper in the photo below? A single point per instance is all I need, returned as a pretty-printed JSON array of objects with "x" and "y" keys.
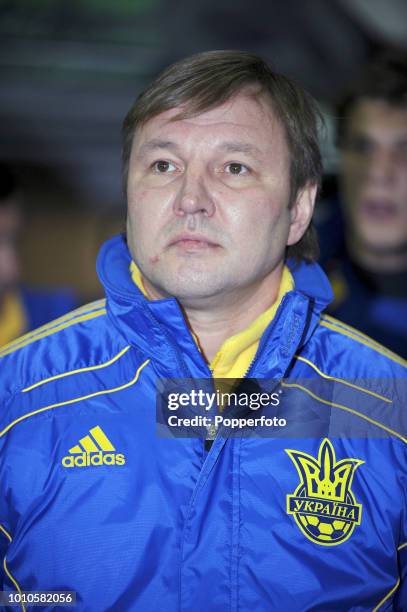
[{"x": 211, "y": 430}]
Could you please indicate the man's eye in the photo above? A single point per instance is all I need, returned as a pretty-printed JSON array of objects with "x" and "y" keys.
[
  {"x": 402, "y": 149},
  {"x": 360, "y": 146},
  {"x": 236, "y": 168},
  {"x": 163, "y": 166}
]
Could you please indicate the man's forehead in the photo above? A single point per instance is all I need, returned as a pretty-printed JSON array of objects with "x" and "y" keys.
[
  {"x": 243, "y": 119},
  {"x": 376, "y": 113},
  {"x": 255, "y": 105},
  {"x": 10, "y": 215}
]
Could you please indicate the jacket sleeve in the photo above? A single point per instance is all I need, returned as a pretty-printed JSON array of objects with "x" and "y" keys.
[
  {"x": 400, "y": 597},
  {"x": 5, "y": 536},
  {"x": 3, "y": 551}
]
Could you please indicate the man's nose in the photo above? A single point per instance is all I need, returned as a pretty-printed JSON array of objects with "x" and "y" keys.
[
  {"x": 381, "y": 166},
  {"x": 9, "y": 264},
  {"x": 194, "y": 196}
]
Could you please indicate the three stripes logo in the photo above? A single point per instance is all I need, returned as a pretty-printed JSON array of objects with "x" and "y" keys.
[{"x": 93, "y": 449}]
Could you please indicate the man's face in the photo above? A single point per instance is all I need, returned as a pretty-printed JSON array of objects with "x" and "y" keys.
[
  {"x": 10, "y": 221},
  {"x": 208, "y": 201},
  {"x": 374, "y": 176}
]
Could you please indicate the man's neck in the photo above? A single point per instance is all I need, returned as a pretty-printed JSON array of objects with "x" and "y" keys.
[{"x": 212, "y": 326}]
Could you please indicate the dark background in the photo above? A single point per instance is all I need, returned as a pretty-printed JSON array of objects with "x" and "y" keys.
[{"x": 70, "y": 69}]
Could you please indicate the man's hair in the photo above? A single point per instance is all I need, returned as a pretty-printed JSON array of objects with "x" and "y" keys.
[
  {"x": 205, "y": 81},
  {"x": 384, "y": 79},
  {"x": 8, "y": 186}
]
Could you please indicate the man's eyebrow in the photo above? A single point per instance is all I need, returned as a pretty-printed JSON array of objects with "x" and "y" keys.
[
  {"x": 157, "y": 143},
  {"x": 233, "y": 146},
  {"x": 239, "y": 147}
]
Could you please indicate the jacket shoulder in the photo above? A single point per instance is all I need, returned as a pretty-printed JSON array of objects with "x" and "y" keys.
[
  {"x": 72, "y": 341},
  {"x": 373, "y": 359},
  {"x": 356, "y": 377}
]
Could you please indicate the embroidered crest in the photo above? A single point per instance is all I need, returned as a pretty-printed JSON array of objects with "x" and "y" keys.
[{"x": 323, "y": 504}]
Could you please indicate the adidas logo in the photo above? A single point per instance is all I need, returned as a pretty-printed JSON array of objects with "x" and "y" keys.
[{"x": 93, "y": 449}]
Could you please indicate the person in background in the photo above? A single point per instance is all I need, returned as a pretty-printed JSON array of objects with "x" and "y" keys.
[
  {"x": 22, "y": 308},
  {"x": 369, "y": 273}
]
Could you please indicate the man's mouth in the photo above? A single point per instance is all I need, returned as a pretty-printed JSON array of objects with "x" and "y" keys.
[
  {"x": 380, "y": 210},
  {"x": 192, "y": 242}
]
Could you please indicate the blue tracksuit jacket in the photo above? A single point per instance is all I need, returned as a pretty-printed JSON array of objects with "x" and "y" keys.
[{"x": 93, "y": 501}]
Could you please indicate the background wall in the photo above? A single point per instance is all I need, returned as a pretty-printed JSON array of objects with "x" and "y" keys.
[{"x": 70, "y": 69}]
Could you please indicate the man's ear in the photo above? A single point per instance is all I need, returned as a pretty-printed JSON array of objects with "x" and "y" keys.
[{"x": 301, "y": 212}]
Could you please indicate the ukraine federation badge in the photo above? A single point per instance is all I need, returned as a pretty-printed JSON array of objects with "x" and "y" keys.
[{"x": 323, "y": 504}]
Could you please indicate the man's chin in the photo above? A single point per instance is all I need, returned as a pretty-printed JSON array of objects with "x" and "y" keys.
[
  {"x": 186, "y": 280},
  {"x": 190, "y": 292},
  {"x": 383, "y": 247}
]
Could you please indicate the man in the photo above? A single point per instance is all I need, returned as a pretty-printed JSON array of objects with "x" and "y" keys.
[
  {"x": 22, "y": 308},
  {"x": 369, "y": 274},
  {"x": 221, "y": 168}
]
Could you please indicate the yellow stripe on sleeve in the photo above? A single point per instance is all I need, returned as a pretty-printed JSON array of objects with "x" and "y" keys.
[
  {"x": 14, "y": 581},
  {"x": 78, "y": 371},
  {"x": 11, "y": 349},
  {"x": 364, "y": 340},
  {"x": 7, "y": 571},
  {"x": 75, "y": 400},
  {"x": 6, "y": 533},
  {"x": 389, "y": 594},
  {"x": 351, "y": 410},
  {"x": 341, "y": 380}
]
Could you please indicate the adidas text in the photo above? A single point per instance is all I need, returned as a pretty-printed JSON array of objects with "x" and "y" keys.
[{"x": 88, "y": 459}]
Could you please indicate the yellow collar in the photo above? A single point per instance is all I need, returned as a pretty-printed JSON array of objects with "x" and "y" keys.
[
  {"x": 237, "y": 352},
  {"x": 13, "y": 320},
  {"x": 138, "y": 279}
]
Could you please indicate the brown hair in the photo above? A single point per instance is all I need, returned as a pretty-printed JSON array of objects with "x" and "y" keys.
[
  {"x": 204, "y": 81},
  {"x": 9, "y": 190},
  {"x": 384, "y": 79}
]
